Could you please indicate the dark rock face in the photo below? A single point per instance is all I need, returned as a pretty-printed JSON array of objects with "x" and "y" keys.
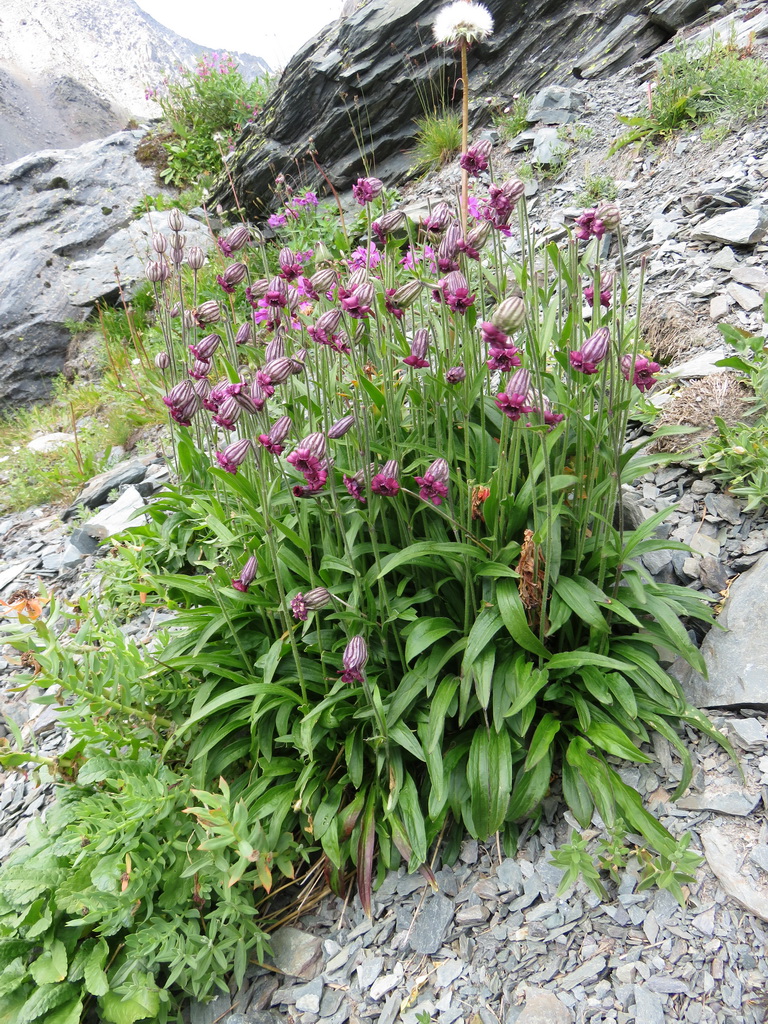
[{"x": 362, "y": 79}]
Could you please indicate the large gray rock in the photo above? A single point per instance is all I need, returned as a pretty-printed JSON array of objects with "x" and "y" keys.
[
  {"x": 744, "y": 226},
  {"x": 372, "y": 68},
  {"x": 737, "y": 657},
  {"x": 57, "y": 209}
]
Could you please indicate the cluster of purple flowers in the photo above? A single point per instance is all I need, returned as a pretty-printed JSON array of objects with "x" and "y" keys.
[{"x": 293, "y": 208}]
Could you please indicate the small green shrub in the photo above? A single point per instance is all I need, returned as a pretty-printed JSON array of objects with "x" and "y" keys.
[
  {"x": 715, "y": 83},
  {"x": 438, "y": 139},
  {"x": 512, "y": 120},
  {"x": 597, "y": 187},
  {"x": 205, "y": 107}
]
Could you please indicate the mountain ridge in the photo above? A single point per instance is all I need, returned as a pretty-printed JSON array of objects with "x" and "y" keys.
[{"x": 114, "y": 51}]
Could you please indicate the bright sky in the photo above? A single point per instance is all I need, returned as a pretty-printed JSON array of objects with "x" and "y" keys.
[{"x": 272, "y": 29}]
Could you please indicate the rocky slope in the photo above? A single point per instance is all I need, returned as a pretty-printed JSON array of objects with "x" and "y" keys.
[{"x": 113, "y": 51}]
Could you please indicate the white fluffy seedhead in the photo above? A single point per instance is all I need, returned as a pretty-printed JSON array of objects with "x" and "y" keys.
[{"x": 463, "y": 21}]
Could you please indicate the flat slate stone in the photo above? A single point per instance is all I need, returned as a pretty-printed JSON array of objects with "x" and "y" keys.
[
  {"x": 297, "y": 953},
  {"x": 431, "y": 925},
  {"x": 737, "y": 657},
  {"x": 543, "y": 1007},
  {"x": 744, "y": 226}
]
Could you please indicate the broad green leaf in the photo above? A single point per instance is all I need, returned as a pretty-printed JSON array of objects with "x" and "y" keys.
[
  {"x": 595, "y": 774},
  {"x": 577, "y": 795},
  {"x": 69, "y": 1014},
  {"x": 489, "y": 775},
  {"x": 612, "y": 739},
  {"x": 425, "y": 632},
  {"x": 12, "y": 976},
  {"x": 541, "y": 741},
  {"x": 515, "y": 620},
  {"x": 413, "y": 820},
  {"x": 137, "y": 1006},
  {"x": 402, "y": 735},
  {"x": 44, "y": 999},
  {"x": 96, "y": 981},
  {"x": 527, "y": 687},
  {"x": 51, "y": 965},
  {"x": 530, "y": 788},
  {"x": 438, "y": 709},
  {"x": 580, "y": 658},
  {"x": 580, "y": 602},
  {"x": 424, "y": 552}
]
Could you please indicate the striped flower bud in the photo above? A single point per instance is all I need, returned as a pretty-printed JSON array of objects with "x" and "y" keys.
[
  {"x": 478, "y": 236},
  {"x": 280, "y": 429},
  {"x": 157, "y": 271},
  {"x": 244, "y": 334},
  {"x": 407, "y": 294},
  {"x": 234, "y": 274},
  {"x": 175, "y": 219},
  {"x": 195, "y": 257},
  {"x": 162, "y": 360},
  {"x": 329, "y": 321},
  {"x": 324, "y": 280},
  {"x": 509, "y": 315},
  {"x": 608, "y": 213},
  {"x": 205, "y": 348},
  {"x": 341, "y": 427},
  {"x": 159, "y": 243},
  {"x": 275, "y": 349},
  {"x": 208, "y": 313},
  {"x": 314, "y": 444},
  {"x": 278, "y": 370},
  {"x": 238, "y": 237},
  {"x": 177, "y": 255},
  {"x": 247, "y": 575},
  {"x": 354, "y": 660}
]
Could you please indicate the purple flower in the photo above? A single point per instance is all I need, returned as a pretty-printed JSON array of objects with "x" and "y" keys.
[
  {"x": 438, "y": 219},
  {"x": 386, "y": 482},
  {"x": 587, "y": 359},
  {"x": 419, "y": 347},
  {"x": 641, "y": 370},
  {"x": 247, "y": 575},
  {"x": 475, "y": 159},
  {"x": 366, "y": 190},
  {"x": 341, "y": 427},
  {"x": 310, "y": 602},
  {"x": 433, "y": 486},
  {"x": 589, "y": 224},
  {"x": 234, "y": 455},
  {"x": 229, "y": 413},
  {"x": 455, "y": 291},
  {"x": 362, "y": 257},
  {"x": 605, "y": 295},
  {"x": 205, "y": 348},
  {"x": 354, "y": 485},
  {"x": 277, "y": 220},
  {"x": 455, "y": 375},
  {"x": 356, "y": 301},
  {"x": 354, "y": 659},
  {"x": 513, "y": 401}
]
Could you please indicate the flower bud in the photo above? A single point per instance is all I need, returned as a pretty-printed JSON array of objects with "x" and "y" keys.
[
  {"x": 205, "y": 348},
  {"x": 280, "y": 429},
  {"x": 513, "y": 189},
  {"x": 208, "y": 313},
  {"x": 407, "y": 294},
  {"x": 478, "y": 236},
  {"x": 355, "y": 655},
  {"x": 195, "y": 257},
  {"x": 324, "y": 280},
  {"x": 455, "y": 375},
  {"x": 162, "y": 360},
  {"x": 509, "y": 314},
  {"x": 319, "y": 597},
  {"x": 238, "y": 237},
  {"x": 177, "y": 255},
  {"x": 275, "y": 349},
  {"x": 157, "y": 271},
  {"x": 244, "y": 335},
  {"x": 341, "y": 427},
  {"x": 609, "y": 214},
  {"x": 159, "y": 243},
  {"x": 315, "y": 443},
  {"x": 175, "y": 220}
]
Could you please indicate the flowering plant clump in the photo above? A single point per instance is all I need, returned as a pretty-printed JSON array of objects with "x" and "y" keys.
[
  {"x": 445, "y": 584},
  {"x": 407, "y": 605},
  {"x": 205, "y": 107}
]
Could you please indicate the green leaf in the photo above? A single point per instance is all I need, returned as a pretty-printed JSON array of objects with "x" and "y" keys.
[
  {"x": 45, "y": 998},
  {"x": 69, "y": 1014},
  {"x": 580, "y": 658},
  {"x": 611, "y": 738},
  {"x": 131, "y": 1002},
  {"x": 438, "y": 709},
  {"x": 577, "y": 795},
  {"x": 51, "y": 965},
  {"x": 13, "y": 976},
  {"x": 579, "y": 601},
  {"x": 530, "y": 788},
  {"x": 425, "y": 632},
  {"x": 515, "y": 620},
  {"x": 403, "y": 736},
  {"x": 423, "y": 552},
  {"x": 541, "y": 741},
  {"x": 96, "y": 981},
  {"x": 489, "y": 774}
]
